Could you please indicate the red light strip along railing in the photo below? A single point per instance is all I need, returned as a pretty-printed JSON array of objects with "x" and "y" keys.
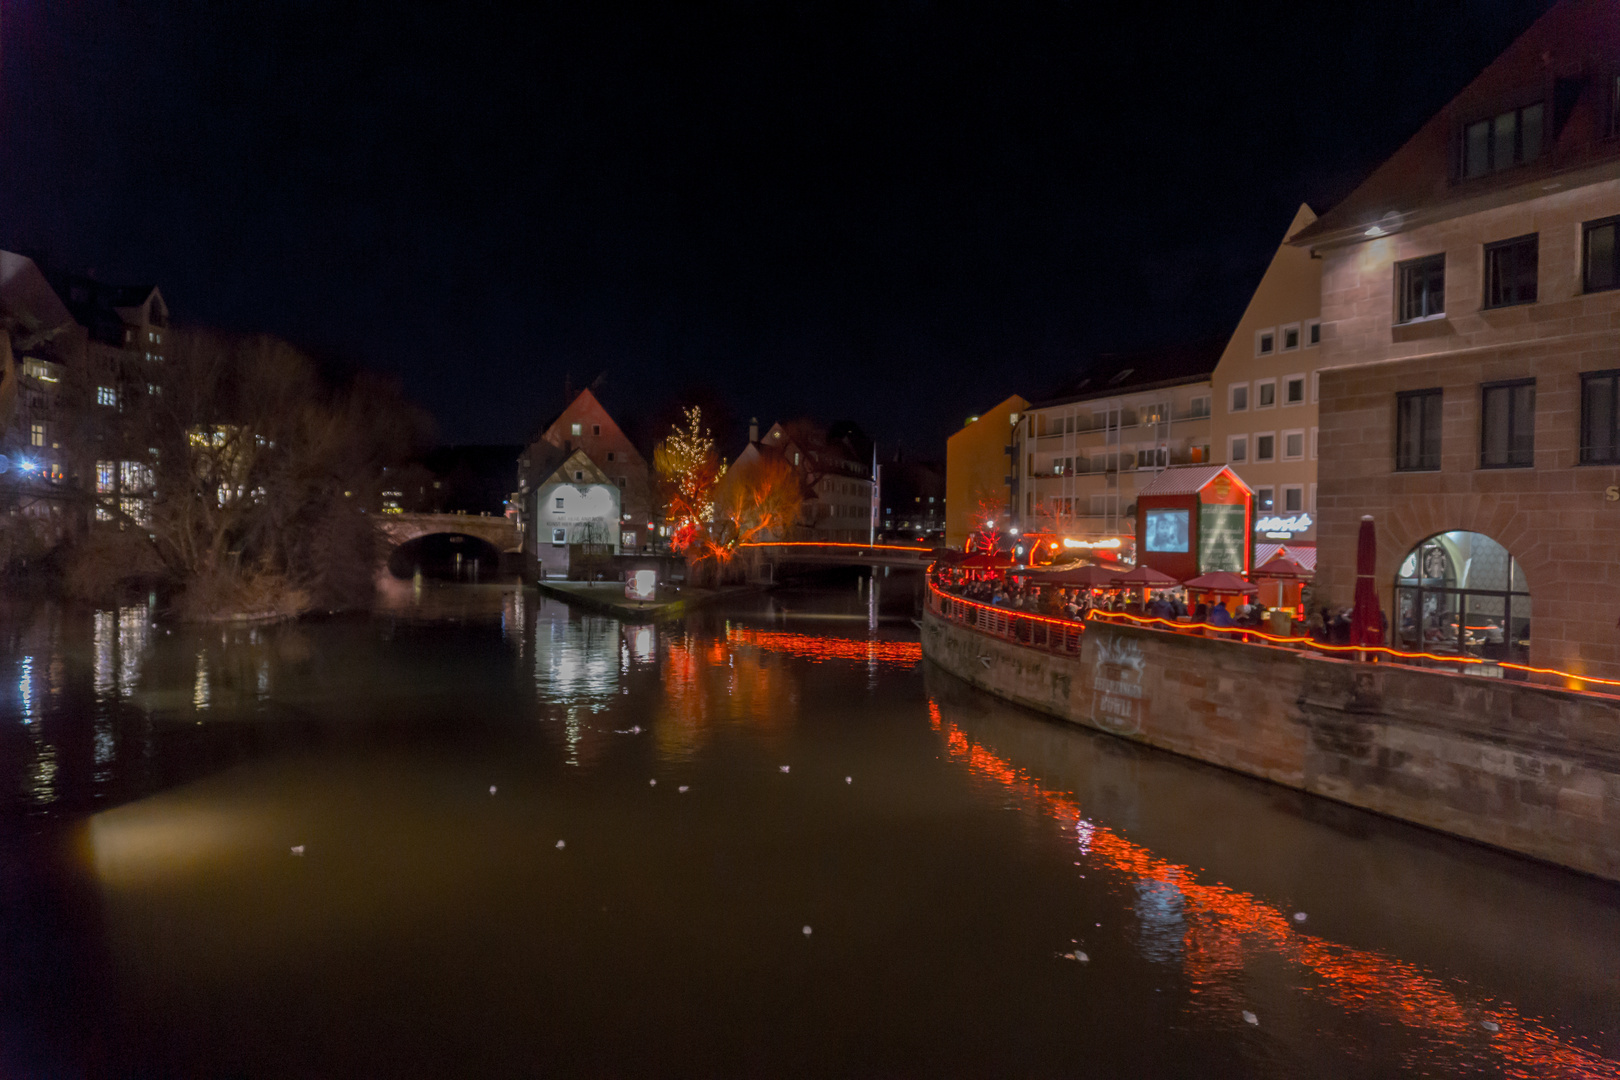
[
  {"x": 914, "y": 549},
  {"x": 1275, "y": 639}
]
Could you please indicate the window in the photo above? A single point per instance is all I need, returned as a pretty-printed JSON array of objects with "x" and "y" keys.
[
  {"x": 106, "y": 395},
  {"x": 576, "y": 429},
  {"x": 104, "y": 477},
  {"x": 579, "y": 475},
  {"x": 619, "y": 480},
  {"x": 1294, "y": 390},
  {"x": 36, "y": 434},
  {"x": 559, "y": 537},
  {"x": 1265, "y": 393},
  {"x": 1293, "y": 445},
  {"x": 1265, "y": 342},
  {"x": 627, "y": 539},
  {"x": 1265, "y": 500},
  {"x": 1290, "y": 337},
  {"x": 1600, "y": 418},
  {"x": 1417, "y": 430},
  {"x": 1313, "y": 333},
  {"x": 1600, "y": 258},
  {"x": 1293, "y": 501},
  {"x": 1237, "y": 397},
  {"x": 1237, "y": 449},
  {"x": 1498, "y": 142},
  {"x": 1507, "y": 424},
  {"x": 596, "y": 429},
  {"x": 1510, "y": 272},
  {"x": 557, "y": 507},
  {"x": 1422, "y": 284},
  {"x": 1265, "y": 447},
  {"x": 610, "y": 455},
  {"x": 1200, "y": 407}
]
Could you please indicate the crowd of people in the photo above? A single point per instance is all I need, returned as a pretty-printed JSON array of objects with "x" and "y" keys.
[{"x": 1022, "y": 593}]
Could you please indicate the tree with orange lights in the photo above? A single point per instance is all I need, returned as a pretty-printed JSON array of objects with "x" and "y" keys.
[
  {"x": 687, "y": 468},
  {"x": 990, "y": 510},
  {"x": 758, "y": 500}
]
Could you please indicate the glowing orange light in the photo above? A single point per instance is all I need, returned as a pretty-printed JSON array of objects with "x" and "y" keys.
[
  {"x": 838, "y": 544},
  {"x": 1224, "y": 925},
  {"x": 820, "y": 647}
]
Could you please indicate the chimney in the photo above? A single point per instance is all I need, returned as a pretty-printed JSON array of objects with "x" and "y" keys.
[{"x": 753, "y": 429}]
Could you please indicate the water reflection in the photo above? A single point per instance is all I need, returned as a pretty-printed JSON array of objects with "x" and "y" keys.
[
  {"x": 425, "y": 763},
  {"x": 1225, "y": 939}
]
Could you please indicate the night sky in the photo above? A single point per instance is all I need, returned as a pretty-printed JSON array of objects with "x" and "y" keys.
[{"x": 895, "y": 213}]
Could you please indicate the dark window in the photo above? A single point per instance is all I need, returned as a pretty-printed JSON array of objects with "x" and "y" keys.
[
  {"x": 1315, "y": 334},
  {"x": 1510, "y": 272},
  {"x": 1601, "y": 255},
  {"x": 1600, "y": 418},
  {"x": 1507, "y": 424},
  {"x": 1417, "y": 430},
  {"x": 1496, "y": 143},
  {"x": 1264, "y": 500},
  {"x": 1423, "y": 287}
]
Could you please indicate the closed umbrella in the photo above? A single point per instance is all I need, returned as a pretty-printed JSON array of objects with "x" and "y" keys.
[{"x": 1366, "y": 624}]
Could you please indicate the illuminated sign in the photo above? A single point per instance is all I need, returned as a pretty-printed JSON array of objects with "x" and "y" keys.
[
  {"x": 1072, "y": 543},
  {"x": 1167, "y": 530},
  {"x": 1283, "y": 527}
]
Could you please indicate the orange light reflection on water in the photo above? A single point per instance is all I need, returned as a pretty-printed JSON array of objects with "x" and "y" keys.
[
  {"x": 821, "y": 647},
  {"x": 1226, "y": 927}
]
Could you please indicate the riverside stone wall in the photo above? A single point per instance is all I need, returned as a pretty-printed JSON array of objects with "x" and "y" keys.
[{"x": 1526, "y": 767}]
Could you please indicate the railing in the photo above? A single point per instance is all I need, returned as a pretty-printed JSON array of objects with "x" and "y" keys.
[
  {"x": 1046, "y": 632},
  {"x": 1064, "y": 636}
]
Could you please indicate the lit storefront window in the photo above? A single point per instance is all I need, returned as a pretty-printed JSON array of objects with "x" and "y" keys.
[{"x": 1462, "y": 592}]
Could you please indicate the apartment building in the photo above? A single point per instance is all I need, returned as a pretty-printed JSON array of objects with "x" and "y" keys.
[
  {"x": 835, "y": 469},
  {"x": 41, "y": 419},
  {"x": 1082, "y": 452},
  {"x": 1266, "y": 383},
  {"x": 1471, "y": 341}
]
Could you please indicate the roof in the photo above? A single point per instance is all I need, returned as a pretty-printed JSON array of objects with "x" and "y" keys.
[
  {"x": 1112, "y": 374},
  {"x": 1188, "y": 480},
  {"x": 1304, "y": 554},
  {"x": 1566, "y": 60}
]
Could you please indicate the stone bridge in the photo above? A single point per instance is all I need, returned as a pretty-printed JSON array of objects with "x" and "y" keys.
[{"x": 499, "y": 532}]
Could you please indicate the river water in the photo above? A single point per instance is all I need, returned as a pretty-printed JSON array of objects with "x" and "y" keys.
[{"x": 479, "y": 834}]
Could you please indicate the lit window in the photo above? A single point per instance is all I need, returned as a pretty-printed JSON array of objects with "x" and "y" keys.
[
  {"x": 36, "y": 434},
  {"x": 1495, "y": 143},
  {"x": 104, "y": 477},
  {"x": 1264, "y": 500},
  {"x": 576, "y": 429},
  {"x": 106, "y": 395},
  {"x": 559, "y": 537}
]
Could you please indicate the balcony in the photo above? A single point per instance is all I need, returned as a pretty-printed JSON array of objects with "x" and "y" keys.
[{"x": 1130, "y": 419}]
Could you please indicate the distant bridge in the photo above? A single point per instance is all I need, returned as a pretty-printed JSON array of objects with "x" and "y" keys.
[
  {"x": 829, "y": 553},
  {"x": 501, "y": 533}
]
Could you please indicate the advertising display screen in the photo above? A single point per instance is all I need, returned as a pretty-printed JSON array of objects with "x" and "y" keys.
[
  {"x": 1167, "y": 530},
  {"x": 1221, "y": 538}
]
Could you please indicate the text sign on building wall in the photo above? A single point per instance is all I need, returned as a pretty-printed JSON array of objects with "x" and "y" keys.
[{"x": 1287, "y": 526}]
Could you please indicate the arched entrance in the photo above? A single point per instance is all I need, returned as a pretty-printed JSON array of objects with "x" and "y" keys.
[
  {"x": 1463, "y": 593},
  {"x": 447, "y": 556}
]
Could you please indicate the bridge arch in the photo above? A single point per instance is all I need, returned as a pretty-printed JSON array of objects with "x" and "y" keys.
[{"x": 431, "y": 542}]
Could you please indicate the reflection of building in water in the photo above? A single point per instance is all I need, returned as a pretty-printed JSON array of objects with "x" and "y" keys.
[{"x": 576, "y": 674}]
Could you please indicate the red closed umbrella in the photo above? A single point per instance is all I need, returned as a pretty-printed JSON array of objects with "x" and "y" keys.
[{"x": 1366, "y": 621}]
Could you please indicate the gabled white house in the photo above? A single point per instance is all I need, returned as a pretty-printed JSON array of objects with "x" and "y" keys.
[{"x": 575, "y": 503}]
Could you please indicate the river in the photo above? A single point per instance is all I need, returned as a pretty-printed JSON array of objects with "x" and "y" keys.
[{"x": 479, "y": 834}]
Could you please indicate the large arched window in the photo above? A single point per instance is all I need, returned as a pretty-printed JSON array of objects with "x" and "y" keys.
[{"x": 1462, "y": 592}]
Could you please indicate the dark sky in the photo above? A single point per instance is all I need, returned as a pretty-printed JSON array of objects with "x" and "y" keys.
[{"x": 896, "y": 213}]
